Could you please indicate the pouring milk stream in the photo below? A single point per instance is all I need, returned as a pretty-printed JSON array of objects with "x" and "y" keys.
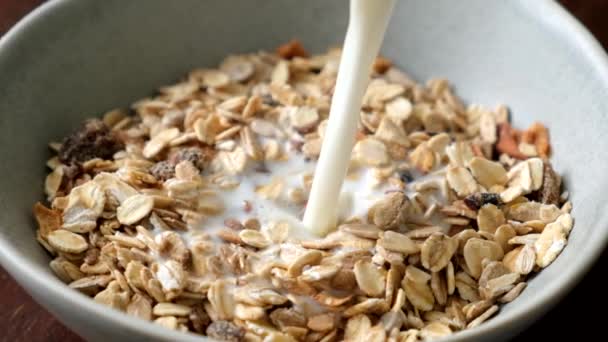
[{"x": 367, "y": 24}]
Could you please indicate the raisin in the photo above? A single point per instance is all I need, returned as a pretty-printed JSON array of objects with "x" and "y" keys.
[
  {"x": 199, "y": 318},
  {"x": 163, "y": 170},
  {"x": 406, "y": 176},
  {"x": 225, "y": 331},
  {"x": 93, "y": 140},
  {"x": 233, "y": 224},
  {"x": 477, "y": 200},
  {"x": 269, "y": 101},
  {"x": 197, "y": 156}
]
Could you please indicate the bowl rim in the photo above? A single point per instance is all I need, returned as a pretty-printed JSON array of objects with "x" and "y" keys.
[{"x": 552, "y": 17}]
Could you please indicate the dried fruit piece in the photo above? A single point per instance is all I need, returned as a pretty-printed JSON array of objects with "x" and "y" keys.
[
  {"x": 479, "y": 199},
  {"x": 291, "y": 49},
  {"x": 507, "y": 142},
  {"x": 225, "y": 331},
  {"x": 538, "y": 134},
  {"x": 163, "y": 170},
  {"x": 93, "y": 140}
]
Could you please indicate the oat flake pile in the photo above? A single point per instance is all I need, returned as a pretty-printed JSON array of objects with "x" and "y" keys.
[{"x": 184, "y": 209}]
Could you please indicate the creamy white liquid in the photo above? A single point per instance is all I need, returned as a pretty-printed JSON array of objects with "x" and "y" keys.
[
  {"x": 359, "y": 193},
  {"x": 367, "y": 24}
]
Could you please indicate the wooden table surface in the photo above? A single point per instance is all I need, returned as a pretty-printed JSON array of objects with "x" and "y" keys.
[{"x": 22, "y": 319}]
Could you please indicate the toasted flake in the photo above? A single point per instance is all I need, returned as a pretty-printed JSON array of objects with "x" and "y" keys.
[
  {"x": 436, "y": 251},
  {"x": 53, "y": 182},
  {"x": 66, "y": 241},
  {"x": 134, "y": 209},
  {"x": 502, "y": 235},
  {"x": 369, "y": 278},
  {"x": 171, "y": 309},
  {"x": 303, "y": 118},
  {"x": 221, "y": 299},
  {"x": 423, "y": 158},
  {"x": 370, "y": 152},
  {"x": 356, "y": 326},
  {"x": 488, "y": 173},
  {"x": 85, "y": 205},
  {"x": 390, "y": 132},
  {"x": 159, "y": 141},
  {"x": 475, "y": 250},
  {"x": 397, "y": 242},
  {"x": 48, "y": 219},
  {"x": 399, "y": 110},
  {"x": 550, "y": 243},
  {"x": 459, "y": 153},
  {"x": 248, "y": 312},
  {"x": 435, "y": 330},
  {"x": 487, "y": 127},
  {"x": 322, "y": 322},
  {"x": 489, "y": 218},
  {"x": 368, "y": 231},
  {"x": 513, "y": 293},
  {"x": 311, "y": 257},
  {"x": 483, "y": 317},
  {"x": 254, "y": 238},
  {"x": 461, "y": 181},
  {"x": 140, "y": 307}
]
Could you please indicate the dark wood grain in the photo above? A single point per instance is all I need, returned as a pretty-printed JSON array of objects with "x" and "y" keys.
[{"x": 22, "y": 319}]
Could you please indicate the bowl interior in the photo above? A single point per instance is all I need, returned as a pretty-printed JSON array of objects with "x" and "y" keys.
[{"x": 76, "y": 59}]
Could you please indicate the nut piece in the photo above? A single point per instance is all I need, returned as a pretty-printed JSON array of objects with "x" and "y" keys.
[
  {"x": 390, "y": 212},
  {"x": 551, "y": 188},
  {"x": 225, "y": 331},
  {"x": 369, "y": 278}
]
